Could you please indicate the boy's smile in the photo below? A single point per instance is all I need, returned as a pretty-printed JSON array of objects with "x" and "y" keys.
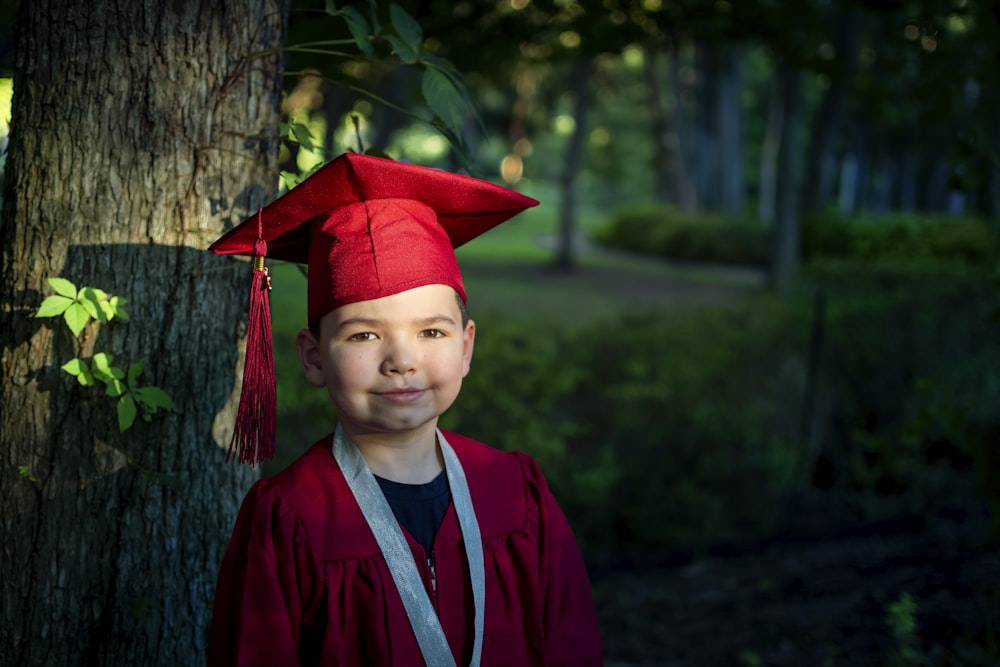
[{"x": 392, "y": 365}]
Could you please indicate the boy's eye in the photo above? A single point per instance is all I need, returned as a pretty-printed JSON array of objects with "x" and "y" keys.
[
  {"x": 362, "y": 336},
  {"x": 433, "y": 333}
]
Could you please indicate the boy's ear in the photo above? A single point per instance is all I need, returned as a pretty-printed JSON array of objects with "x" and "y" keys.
[
  {"x": 310, "y": 358},
  {"x": 468, "y": 342}
]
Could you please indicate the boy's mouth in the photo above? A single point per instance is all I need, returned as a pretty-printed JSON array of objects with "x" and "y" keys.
[{"x": 402, "y": 395}]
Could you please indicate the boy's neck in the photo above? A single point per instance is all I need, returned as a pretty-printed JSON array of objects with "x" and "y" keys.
[{"x": 415, "y": 459}]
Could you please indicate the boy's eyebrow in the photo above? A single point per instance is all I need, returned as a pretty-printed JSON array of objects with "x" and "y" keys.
[
  {"x": 373, "y": 322},
  {"x": 435, "y": 319},
  {"x": 358, "y": 321}
]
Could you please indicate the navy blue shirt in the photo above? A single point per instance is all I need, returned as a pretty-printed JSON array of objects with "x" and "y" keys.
[{"x": 419, "y": 508}]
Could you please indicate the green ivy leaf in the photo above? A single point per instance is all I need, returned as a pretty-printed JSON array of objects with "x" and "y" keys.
[
  {"x": 95, "y": 301},
  {"x": 54, "y": 305},
  {"x": 93, "y": 294},
  {"x": 79, "y": 369},
  {"x": 289, "y": 179},
  {"x": 117, "y": 303},
  {"x": 63, "y": 287},
  {"x": 358, "y": 26},
  {"x": 302, "y": 135},
  {"x": 91, "y": 309},
  {"x": 74, "y": 366},
  {"x": 134, "y": 371},
  {"x": 407, "y": 28},
  {"x": 115, "y": 387},
  {"x": 106, "y": 311},
  {"x": 102, "y": 362},
  {"x": 154, "y": 398},
  {"x": 85, "y": 377},
  {"x": 76, "y": 317},
  {"x": 444, "y": 99},
  {"x": 126, "y": 412}
]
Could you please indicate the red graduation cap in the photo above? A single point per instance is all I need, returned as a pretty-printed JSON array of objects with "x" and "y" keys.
[{"x": 367, "y": 227}]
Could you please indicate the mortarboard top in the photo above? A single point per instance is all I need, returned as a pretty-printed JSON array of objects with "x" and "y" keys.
[{"x": 367, "y": 227}]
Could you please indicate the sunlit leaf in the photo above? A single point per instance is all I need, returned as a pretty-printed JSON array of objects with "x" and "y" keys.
[
  {"x": 106, "y": 310},
  {"x": 115, "y": 387},
  {"x": 76, "y": 317},
  {"x": 444, "y": 99},
  {"x": 102, "y": 362},
  {"x": 53, "y": 305},
  {"x": 358, "y": 26},
  {"x": 126, "y": 412},
  {"x": 91, "y": 309},
  {"x": 63, "y": 287},
  {"x": 93, "y": 293},
  {"x": 85, "y": 378},
  {"x": 153, "y": 398},
  {"x": 74, "y": 366},
  {"x": 134, "y": 371},
  {"x": 289, "y": 179}
]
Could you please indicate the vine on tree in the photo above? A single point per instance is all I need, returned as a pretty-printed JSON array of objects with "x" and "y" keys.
[{"x": 77, "y": 308}]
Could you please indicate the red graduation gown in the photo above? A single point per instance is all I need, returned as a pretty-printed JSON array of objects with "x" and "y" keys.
[{"x": 303, "y": 581}]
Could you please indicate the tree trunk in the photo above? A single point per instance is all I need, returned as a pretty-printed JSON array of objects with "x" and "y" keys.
[
  {"x": 141, "y": 130},
  {"x": 706, "y": 153},
  {"x": 687, "y": 197},
  {"x": 767, "y": 190},
  {"x": 786, "y": 251},
  {"x": 580, "y": 80},
  {"x": 827, "y": 126},
  {"x": 730, "y": 130},
  {"x": 672, "y": 184}
]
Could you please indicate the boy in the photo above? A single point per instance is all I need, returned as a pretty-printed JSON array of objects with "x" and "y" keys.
[{"x": 391, "y": 542}]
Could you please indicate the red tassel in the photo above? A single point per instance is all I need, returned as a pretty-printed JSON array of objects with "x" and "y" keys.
[{"x": 255, "y": 428}]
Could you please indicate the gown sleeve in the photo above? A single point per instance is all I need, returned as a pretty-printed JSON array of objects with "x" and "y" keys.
[
  {"x": 571, "y": 632},
  {"x": 266, "y": 585}
]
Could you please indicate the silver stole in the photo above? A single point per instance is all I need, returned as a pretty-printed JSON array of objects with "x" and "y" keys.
[{"x": 399, "y": 558}]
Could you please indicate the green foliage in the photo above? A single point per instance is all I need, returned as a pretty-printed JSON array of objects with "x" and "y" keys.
[
  {"x": 78, "y": 307},
  {"x": 901, "y": 617},
  {"x": 912, "y": 363},
  {"x": 901, "y": 237},
  {"x": 631, "y": 417},
  {"x": 396, "y": 42},
  {"x": 665, "y": 231}
]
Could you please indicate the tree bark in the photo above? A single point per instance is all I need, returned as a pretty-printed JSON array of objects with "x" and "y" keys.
[{"x": 141, "y": 129}]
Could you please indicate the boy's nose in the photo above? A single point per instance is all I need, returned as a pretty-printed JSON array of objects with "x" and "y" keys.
[{"x": 399, "y": 359}]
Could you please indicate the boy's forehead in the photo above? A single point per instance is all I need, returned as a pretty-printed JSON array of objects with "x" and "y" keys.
[{"x": 424, "y": 301}]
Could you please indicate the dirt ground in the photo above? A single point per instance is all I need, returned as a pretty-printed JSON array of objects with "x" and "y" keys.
[{"x": 810, "y": 600}]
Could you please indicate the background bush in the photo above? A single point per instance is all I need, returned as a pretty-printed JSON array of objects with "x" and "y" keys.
[
  {"x": 666, "y": 232},
  {"x": 906, "y": 237}
]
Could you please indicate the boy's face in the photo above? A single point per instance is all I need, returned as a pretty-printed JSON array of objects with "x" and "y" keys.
[{"x": 391, "y": 365}]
